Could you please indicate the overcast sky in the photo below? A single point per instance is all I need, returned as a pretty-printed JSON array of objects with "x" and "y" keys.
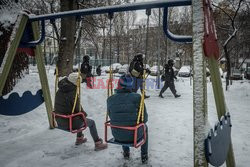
[{"x": 141, "y": 14}]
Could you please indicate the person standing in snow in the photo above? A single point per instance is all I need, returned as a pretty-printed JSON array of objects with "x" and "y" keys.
[
  {"x": 123, "y": 108},
  {"x": 64, "y": 102},
  {"x": 99, "y": 70},
  {"x": 136, "y": 70},
  {"x": 169, "y": 79},
  {"x": 86, "y": 71}
]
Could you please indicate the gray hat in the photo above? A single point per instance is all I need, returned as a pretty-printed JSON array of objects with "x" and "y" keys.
[{"x": 73, "y": 78}]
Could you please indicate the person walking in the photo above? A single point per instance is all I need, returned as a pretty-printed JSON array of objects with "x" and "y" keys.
[{"x": 169, "y": 79}]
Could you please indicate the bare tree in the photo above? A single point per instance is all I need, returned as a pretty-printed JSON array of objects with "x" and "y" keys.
[
  {"x": 67, "y": 39},
  {"x": 230, "y": 9}
]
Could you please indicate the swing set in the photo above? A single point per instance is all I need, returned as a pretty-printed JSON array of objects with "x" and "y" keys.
[{"x": 214, "y": 152}]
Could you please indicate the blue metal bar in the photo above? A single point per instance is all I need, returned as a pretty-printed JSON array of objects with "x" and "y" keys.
[
  {"x": 170, "y": 35},
  {"x": 118, "y": 8},
  {"x": 112, "y": 9},
  {"x": 40, "y": 40}
]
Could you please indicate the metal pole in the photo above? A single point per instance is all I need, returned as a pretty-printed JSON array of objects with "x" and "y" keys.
[
  {"x": 199, "y": 86},
  {"x": 158, "y": 54}
]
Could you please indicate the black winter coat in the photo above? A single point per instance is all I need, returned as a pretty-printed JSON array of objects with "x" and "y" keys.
[
  {"x": 169, "y": 73},
  {"x": 137, "y": 65},
  {"x": 123, "y": 111},
  {"x": 86, "y": 68},
  {"x": 64, "y": 102}
]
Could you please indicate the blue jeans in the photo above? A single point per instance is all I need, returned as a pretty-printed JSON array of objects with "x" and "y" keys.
[{"x": 144, "y": 147}]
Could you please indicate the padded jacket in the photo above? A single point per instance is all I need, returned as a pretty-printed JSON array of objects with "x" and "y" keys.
[
  {"x": 64, "y": 102},
  {"x": 123, "y": 110},
  {"x": 169, "y": 73}
]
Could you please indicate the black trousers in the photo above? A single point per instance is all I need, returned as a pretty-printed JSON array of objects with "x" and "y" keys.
[{"x": 169, "y": 84}]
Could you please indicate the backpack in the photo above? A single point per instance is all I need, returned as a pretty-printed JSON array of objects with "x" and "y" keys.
[{"x": 132, "y": 70}]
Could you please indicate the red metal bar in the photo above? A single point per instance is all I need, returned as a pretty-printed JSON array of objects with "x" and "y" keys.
[
  {"x": 133, "y": 128},
  {"x": 70, "y": 117}
]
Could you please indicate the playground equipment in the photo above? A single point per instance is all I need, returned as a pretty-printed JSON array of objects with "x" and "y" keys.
[
  {"x": 26, "y": 103},
  {"x": 201, "y": 16},
  {"x": 216, "y": 151}
]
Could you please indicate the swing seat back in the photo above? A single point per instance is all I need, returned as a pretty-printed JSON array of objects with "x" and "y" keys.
[
  {"x": 136, "y": 143},
  {"x": 218, "y": 141},
  {"x": 70, "y": 119},
  {"x": 15, "y": 105}
]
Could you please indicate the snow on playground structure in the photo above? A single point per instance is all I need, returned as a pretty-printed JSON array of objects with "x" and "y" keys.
[{"x": 203, "y": 30}]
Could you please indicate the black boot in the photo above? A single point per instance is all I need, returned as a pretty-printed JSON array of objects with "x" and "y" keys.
[
  {"x": 160, "y": 95},
  {"x": 145, "y": 96},
  {"x": 126, "y": 155},
  {"x": 176, "y": 95},
  {"x": 144, "y": 158}
]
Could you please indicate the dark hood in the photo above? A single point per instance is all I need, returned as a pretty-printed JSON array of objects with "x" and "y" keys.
[{"x": 66, "y": 86}]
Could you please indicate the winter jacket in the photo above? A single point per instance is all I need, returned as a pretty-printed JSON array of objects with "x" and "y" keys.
[
  {"x": 123, "y": 110},
  {"x": 86, "y": 68},
  {"x": 136, "y": 65},
  {"x": 169, "y": 73},
  {"x": 64, "y": 102}
]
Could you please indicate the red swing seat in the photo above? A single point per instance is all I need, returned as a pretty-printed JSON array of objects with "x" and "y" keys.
[
  {"x": 70, "y": 118},
  {"x": 137, "y": 143}
]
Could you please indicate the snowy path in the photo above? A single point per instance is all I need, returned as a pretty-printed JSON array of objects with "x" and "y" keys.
[{"x": 26, "y": 141}]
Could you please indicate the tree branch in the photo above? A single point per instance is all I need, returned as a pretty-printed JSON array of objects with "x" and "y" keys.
[{"x": 223, "y": 11}]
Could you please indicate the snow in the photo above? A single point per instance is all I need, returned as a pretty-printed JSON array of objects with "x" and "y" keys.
[
  {"x": 26, "y": 141},
  {"x": 13, "y": 34},
  {"x": 8, "y": 15},
  {"x": 185, "y": 69}
]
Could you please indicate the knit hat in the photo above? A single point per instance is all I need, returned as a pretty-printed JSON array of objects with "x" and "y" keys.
[
  {"x": 73, "y": 78},
  {"x": 126, "y": 81},
  {"x": 170, "y": 62}
]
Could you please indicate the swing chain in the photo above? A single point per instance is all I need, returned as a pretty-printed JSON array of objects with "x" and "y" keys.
[{"x": 141, "y": 109}]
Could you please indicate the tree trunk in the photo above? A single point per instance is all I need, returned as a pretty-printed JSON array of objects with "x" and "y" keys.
[
  {"x": 118, "y": 49},
  {"x": 228, "y": 65},
  {"x": 67, "y": 41},
  {"x": 104, "y": 43}
]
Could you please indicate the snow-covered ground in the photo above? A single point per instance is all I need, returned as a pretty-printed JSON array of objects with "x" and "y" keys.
[{"x": 26, "y": 141}]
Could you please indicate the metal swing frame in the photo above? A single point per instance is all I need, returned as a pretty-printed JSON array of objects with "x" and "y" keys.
[{"x": 112, "y": 9}]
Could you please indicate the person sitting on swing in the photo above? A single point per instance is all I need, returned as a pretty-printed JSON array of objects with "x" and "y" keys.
[
  {"x": 86, "y": 71},
  {"x": 64, "y": 102},
  {"x": 123, "y": 108},
  {"x": 136, "y": 70}
]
